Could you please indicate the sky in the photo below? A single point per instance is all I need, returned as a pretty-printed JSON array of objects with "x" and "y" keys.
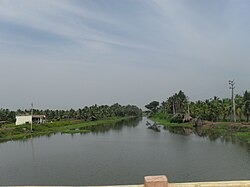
[{"x": 62, "y": 54}]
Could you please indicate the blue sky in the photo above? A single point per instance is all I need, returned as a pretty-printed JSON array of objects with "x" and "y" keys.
[{"x": 72, "y": 53}]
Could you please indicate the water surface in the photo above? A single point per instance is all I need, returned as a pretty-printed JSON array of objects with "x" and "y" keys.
[{"x": 121, "y": 155}]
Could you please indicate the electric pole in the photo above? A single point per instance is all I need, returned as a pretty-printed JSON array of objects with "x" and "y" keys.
[{"x": 232, "y": 83}]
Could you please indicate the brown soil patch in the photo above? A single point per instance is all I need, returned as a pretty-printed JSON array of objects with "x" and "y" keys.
[{"x": 242, "y": 124}]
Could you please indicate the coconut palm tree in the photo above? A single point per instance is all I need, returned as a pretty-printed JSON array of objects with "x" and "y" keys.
[
  {"x": 239, "y": 103},
  {"x": 246, "y": 107},
  {"x": 226, "y": 108}
]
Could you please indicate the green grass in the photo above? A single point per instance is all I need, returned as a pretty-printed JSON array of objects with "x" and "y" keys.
[
  {"x": 168, "y": 124},
  {"x": 162, "y": 119},
  {"x": 244, "y": 136},
  {"x": 13, "y": 132}
]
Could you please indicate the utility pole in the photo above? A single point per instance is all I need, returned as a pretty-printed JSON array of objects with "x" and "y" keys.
[
  {"x": 232, "y": 83},
  {"x": 31, "y": 117}
]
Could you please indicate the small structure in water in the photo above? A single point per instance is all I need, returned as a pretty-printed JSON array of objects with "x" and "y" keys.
[{"x": 153, "y": 127}]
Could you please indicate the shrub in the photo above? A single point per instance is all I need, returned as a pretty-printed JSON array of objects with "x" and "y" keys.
[{"x": 177, "y": 118}]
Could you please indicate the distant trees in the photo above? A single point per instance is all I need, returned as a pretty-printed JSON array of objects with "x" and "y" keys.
[
  {"x": 7, "y": 116},
  {"x": 246, "y": 106},
  {"x": 91, "y": 113},
  {"x": 177, "y": 103},
  {"x": 221, "y": 109},
  {"x": 153, "y": 106},
  {"x": 239, "y": 102},
  {"x": 213, "y": 109}
]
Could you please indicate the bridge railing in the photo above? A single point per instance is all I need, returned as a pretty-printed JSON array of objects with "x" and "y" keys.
[{"x": 162, "y": 181}]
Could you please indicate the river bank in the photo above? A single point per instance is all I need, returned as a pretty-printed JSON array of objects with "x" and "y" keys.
[
  {"x": 21, "y": 132},
  {"x": 213, "y": 130}
]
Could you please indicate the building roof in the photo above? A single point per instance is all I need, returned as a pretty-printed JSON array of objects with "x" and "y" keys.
[
  {"x": 38, "y": 116},
  {"x": 34, "y": 116}
]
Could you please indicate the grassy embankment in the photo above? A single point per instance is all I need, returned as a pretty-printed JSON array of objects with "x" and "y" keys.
[
  {"x": 162, "y": 119},
  {"x": 13, "y": 132},
  {"x": 213, "y": 130}
]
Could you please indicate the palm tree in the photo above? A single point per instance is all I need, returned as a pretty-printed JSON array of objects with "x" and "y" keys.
[
  {"x": 226, "y": 108},
  {"x": 246, "y": 106},
  {"x": 239, "y": 102}
]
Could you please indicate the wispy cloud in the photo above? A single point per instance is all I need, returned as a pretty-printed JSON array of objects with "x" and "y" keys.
[
  {"x": 180, "y": 44},
  {"x": 66, "y": 19}
]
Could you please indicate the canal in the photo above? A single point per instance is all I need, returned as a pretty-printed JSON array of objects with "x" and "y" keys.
[{"x": 123, "y": 154}]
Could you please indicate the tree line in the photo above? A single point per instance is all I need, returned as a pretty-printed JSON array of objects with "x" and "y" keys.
[
  {"x": 90, "y": 113},
  {"x": 213, "y": 109}
]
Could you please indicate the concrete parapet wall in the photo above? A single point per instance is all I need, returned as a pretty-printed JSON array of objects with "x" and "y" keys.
[
  {"x": 212, "y": 184},
  {"x": 162, "y": 181}
]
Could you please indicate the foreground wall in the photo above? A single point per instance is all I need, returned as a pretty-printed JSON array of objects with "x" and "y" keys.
[{"x": 162, "y": 181}]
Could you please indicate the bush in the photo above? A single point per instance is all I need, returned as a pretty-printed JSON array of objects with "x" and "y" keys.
[
  {"x": 177, "y": 118},
  {"x": 159, "y": 115}
]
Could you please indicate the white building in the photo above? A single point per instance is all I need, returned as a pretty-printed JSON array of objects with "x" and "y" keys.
[{"x": 30, "y": 119}]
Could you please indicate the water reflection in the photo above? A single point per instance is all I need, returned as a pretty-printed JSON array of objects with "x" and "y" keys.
[
  {"x": 102, "y": 128},
  {"x": 223, "y": 136},
  {"x": 179, "y": 130},
  {"x": 122, "y": 153},
  {"x": 33, "y": 150}
]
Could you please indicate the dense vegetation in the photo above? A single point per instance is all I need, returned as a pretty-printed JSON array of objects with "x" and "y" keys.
[
  {"x": 7, "y": 116},
  {"x": 213, "y": 109},
  {"x": 14, "y": 132},
  {"x": 65, "y": 121},
  {"x": 91, "y": 113},
  {"x": 179, "y": 115}
]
